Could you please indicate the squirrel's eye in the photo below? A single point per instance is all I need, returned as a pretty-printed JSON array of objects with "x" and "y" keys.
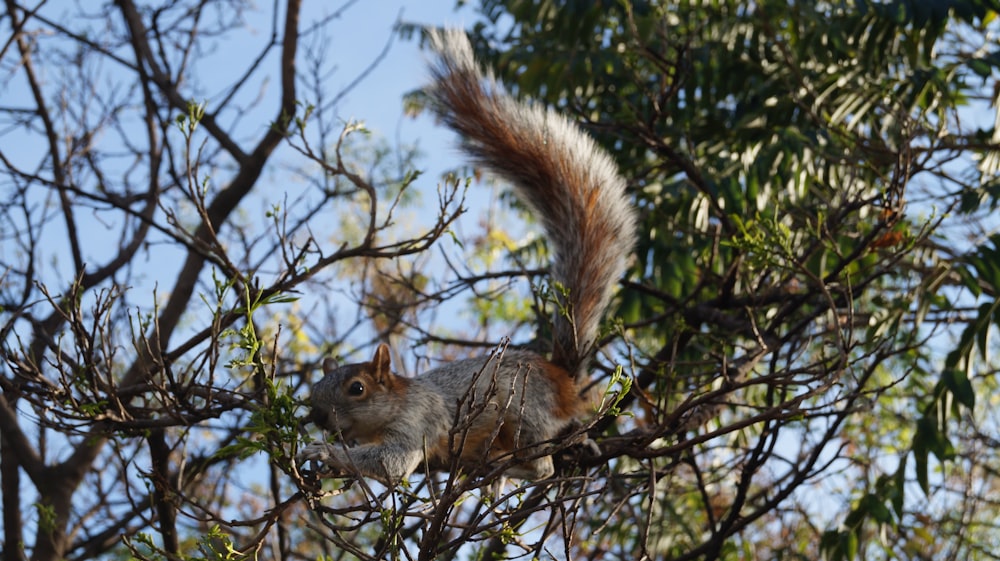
[{"x": 356, "y": 388}]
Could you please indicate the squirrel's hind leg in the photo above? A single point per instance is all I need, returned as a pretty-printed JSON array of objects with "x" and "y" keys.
[{"x": 539, "y": 468}]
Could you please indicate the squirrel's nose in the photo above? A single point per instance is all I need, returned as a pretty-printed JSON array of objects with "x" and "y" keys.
[{"x": 316, "y": 416}]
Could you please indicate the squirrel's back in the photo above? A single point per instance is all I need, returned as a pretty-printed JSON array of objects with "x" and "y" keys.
[
  {"x": 572, "y": 185},
  {"x": 499, "y": 403}
]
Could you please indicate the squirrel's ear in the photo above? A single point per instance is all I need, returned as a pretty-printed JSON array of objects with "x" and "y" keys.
[
  {"x": 381, "y": 363},
  {"x": 330, "y": 364}
]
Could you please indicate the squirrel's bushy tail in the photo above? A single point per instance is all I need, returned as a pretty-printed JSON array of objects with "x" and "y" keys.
[{"x": 570, "y": 182}]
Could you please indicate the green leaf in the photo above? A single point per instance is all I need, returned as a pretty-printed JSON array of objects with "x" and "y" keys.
[
  {"x": 899, "y": 488},
  {"x": 958, "y": 383},
  {"x": 923, "y": 442},
  {"x": 875, "y": 508}
]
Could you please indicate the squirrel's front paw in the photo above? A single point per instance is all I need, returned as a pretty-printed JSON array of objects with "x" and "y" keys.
[
  {"x": 323, "y": 453},
  {"x": 317, "y": 452}
]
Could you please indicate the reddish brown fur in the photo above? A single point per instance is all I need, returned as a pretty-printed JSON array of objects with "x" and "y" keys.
[
  {"x": 567, "y": 392},
  {"x": 476, "y": 445}
]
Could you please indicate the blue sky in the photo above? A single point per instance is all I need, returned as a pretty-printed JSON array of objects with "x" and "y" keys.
[
  {"x": 349, "y": 44},
  {"x": 377, "y": 100}
]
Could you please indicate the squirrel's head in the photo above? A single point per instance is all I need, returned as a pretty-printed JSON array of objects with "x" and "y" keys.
[{"x": 358, "y": 400}]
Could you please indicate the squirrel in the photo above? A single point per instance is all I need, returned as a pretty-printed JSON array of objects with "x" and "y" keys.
[{"x": 507, "y": 406}]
